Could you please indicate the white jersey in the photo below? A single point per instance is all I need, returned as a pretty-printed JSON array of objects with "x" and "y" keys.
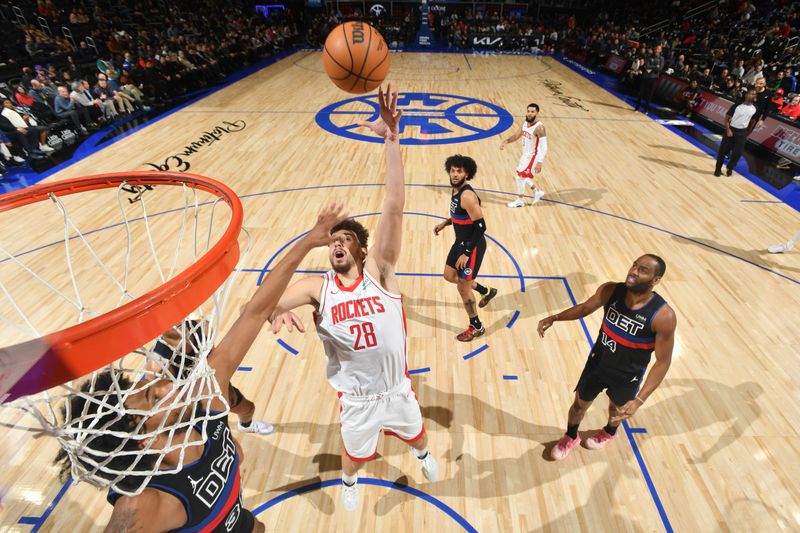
[
  {"x": 530, "y": 149},
  {"x": 530, "y": 142},
  {"x": 363, "y": 332}
]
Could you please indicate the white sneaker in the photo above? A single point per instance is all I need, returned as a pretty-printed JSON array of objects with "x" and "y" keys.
[
  {"x": 350, "y": 497},
  {"x": 45, "y": 148},
  {"x": 537, "y": 195},
  {"x": 778, "y": 248},
  {"x": 17, "y": 159},
  {"x": 516, "y": 203},
  {"x": 430, "y": 468},
  {"x": 257, "y": 426}
]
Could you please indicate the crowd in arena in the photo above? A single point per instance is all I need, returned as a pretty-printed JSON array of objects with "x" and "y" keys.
[
  {"x": 118, "y": 62},
  {"x": 59, "y": 85},
  {"x": 724, "y": 48}
]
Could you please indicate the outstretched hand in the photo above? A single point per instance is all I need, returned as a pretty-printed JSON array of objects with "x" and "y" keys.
[
  {"x": 388, "y": 124},
  {"x": 329, "y": 216},
  {"x": 288, "y": 319}
]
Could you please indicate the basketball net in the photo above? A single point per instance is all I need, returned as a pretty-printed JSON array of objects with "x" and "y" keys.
[{"x": 98, "y": 420}]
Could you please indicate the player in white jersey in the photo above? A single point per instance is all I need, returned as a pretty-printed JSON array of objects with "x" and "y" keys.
[
  {"x": 360, "y": 320},
  {"x": 534, "y": 149}
]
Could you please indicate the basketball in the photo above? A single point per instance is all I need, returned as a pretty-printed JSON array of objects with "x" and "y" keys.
[{"x": 356, "y": 57}]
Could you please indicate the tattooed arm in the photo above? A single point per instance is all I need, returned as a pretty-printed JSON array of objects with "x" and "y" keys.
[{"x": 149, "y": 512}]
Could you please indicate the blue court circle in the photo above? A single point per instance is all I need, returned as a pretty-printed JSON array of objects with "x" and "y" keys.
[
  {"x": 460, "y": 520},
  {"x": 431, "y": 115}
]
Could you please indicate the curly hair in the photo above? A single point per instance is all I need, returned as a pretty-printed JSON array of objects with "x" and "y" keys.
[
  {"x": 102, "y": 411},
  {"x": 462, "y": 161}
]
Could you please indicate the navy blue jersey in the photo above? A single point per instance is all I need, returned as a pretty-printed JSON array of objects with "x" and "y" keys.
[
  {"x": 462, "y": 224},
  {"x": 209, "y": 488},
  {"x": 626, "y": 339}
]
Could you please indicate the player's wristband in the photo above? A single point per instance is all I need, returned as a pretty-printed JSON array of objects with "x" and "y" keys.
[{"x": 637, "y": 398}]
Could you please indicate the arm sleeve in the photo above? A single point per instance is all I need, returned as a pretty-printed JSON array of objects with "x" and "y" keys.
[
  {"x": 542, "y": 149},
  {"x": 478, "y": 229}
]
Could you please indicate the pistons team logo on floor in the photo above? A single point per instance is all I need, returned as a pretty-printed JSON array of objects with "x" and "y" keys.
[{"x": 428, "y": 118}]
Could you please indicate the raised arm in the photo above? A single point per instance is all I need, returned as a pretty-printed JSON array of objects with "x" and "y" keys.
[
  {"x": 388, "y": 237},
  {"x": 595, "y": 302},
  {"x": 227, "y": 356}
]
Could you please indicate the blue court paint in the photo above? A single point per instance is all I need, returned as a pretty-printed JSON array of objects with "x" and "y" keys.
[
  {"x": 419, "y": 371},
  {"x": 519, "y": 275},
  {"x": 513, "y": 319},
  {"x": 245, "y": 369},
  {"x": 287, "y": 347},
  {"x": 608, "y": 83},
  {"x": 473, "y": 353},
  {"x": 630, "y": 432},
  {"x": 510, "y": 377},
  {"x": 557, "y": 202},
  {"x": 519, "y": 271},
  {"x": 38, "y": 521},
  {"x": 457, "y": 518},
  {"x": 435, "y": 114}
]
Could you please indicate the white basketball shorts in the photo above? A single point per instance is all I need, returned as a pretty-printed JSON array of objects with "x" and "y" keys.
[{"x": 396, "y": 412}]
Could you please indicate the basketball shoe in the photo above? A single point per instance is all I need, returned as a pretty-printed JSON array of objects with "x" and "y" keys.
[
  {"x": 564, "y": 446},
  {"x": 257, "y": 426},
  {"x": 350, "y": 496},
  {"x": 599, "y": 440},
  {"x": 430, "y": 468}
]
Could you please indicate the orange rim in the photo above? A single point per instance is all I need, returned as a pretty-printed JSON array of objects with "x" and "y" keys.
[{"x": 78, "y": 350}]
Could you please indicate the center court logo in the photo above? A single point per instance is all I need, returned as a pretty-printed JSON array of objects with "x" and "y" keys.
[{"x": 428, "y": 118}]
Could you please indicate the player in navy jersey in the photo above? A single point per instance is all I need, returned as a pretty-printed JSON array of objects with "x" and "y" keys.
[
  {"x": 205, "y": 494},
  {"x": 466, "y": 254},
  {"x": 636, "y": 322}
]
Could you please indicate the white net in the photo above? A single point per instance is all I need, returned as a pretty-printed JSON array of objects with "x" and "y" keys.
[{"x": 117, "y": 425}]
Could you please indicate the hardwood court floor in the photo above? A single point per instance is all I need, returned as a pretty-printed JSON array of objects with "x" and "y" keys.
[{"x": 721, "y": 442}]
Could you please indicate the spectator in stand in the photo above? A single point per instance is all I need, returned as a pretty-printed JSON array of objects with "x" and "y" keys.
[
  {"x": 721, "y": 81},
  {"x": 738, "y": 69},
  {"x": 123, "y": 102},
  {"x": 22, "y": 97},
  {"x": 792, "y": 109},
  {"x": 777, "y": 101},
  {"x": 27, "y": 127},
  {"x": 81, "y": 96},
  {"x": 106, "y": 99},
  {"x": 691, "y": 98},
  {"x": 789, "y": 82},
  {"x": 706, "y": 79},
  {"x": 754, "y": 74},
  {"x": 776, "y": 83},
  {"x": 67, "y": 109}
]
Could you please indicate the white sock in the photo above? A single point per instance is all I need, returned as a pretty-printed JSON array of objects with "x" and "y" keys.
[
  {"x": 421, "y": 453},
  {"x": 350, "y": 480},
  {"x": 520, "y": 186}
]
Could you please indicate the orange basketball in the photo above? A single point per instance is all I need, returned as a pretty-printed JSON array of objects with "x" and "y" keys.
[{"x": 356, "y": 57}]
